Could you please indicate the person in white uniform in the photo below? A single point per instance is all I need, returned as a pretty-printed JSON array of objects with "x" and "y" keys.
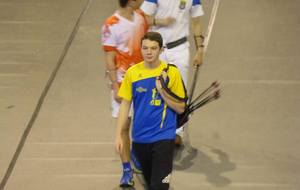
[{"x": 171, "y": 18}]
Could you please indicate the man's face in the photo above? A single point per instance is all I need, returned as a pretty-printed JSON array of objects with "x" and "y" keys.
[{"x": 150, "y": 51}]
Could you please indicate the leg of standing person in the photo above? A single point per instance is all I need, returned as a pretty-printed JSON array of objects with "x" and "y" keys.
[
  {"x": 142, "y": 152},
  {"x": 162, "y": 164},
  {"x": 127, "y": 176},
  {"x": 179, "y": 56}
]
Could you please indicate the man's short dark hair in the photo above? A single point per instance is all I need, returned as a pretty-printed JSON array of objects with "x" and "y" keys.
[
  {"x": 153, "y": 36},
  {"x": 123, "y": 3}
]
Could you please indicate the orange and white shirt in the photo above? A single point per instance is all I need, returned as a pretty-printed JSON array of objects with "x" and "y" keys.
[{"x": 124, "y": 37}]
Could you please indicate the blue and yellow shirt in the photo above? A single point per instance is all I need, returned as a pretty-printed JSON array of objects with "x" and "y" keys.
[{"x": 153, "y": 120}]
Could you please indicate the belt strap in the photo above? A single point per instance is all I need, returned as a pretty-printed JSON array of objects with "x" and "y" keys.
[{"x": 178, "y": 42}]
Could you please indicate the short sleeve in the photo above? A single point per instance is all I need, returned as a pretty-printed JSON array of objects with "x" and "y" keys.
[
  {"x": 197, "y": 9},
  {"x": 125, "y": 90},
  {"x": 176, "y": 83},
  {"x": 108, "y": 39}
]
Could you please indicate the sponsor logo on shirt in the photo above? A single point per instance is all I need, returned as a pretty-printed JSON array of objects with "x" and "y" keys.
[
  {"x": 141, "y": 89},
  {"x": 155, "y": 99}
]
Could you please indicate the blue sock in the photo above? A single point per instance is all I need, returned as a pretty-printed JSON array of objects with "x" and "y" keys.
[{"x": 126, "y": 166}]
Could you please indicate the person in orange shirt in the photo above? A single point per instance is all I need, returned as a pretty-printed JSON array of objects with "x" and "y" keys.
[{"x": 121, "y": 42}]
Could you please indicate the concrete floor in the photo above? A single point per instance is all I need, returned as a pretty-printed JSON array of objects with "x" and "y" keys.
[{"x": 55, "y": 126}]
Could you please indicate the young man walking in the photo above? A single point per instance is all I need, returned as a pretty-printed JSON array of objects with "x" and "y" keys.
[{"x": 155, "y": 113}]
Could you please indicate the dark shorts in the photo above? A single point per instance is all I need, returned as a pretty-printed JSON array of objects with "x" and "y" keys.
[{"x": 156, "y": 160}]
